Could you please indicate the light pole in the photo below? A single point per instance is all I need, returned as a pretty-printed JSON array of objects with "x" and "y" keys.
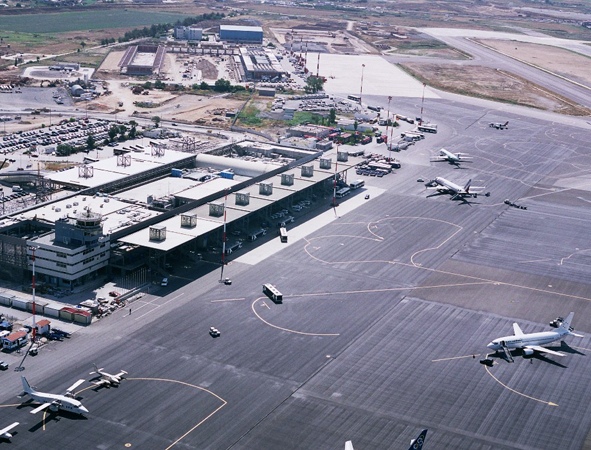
[
  {"x": 361, "y": 89},
  {"x": 388, "y": 143},
  {"x": 422, "y": 104},
  {"x": 32, "y": 248}
]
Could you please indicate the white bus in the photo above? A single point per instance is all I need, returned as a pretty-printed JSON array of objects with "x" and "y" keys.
[
  {"x": 283, "y": 234},
  {"x": 342, "y": 192},
  {"x": 357, "y": 184},
  {"x": 355, "y": 98},
  {"x": 271, "y": 291},
  {"x": 427, "y": 128}
]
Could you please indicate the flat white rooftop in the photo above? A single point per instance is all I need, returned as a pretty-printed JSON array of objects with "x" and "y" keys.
[{"x": 107, "y": 170}]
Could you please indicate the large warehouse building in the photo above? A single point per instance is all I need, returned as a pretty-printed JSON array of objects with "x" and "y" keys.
[{"x": 243, "y": 34}]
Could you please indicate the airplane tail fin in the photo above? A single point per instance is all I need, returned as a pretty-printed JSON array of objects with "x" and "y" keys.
[
  {"x": 467, "y": 186},
  {"x": 566, "y": 325},
  {"x": 506, "y": 124},
  {"x": 349, "y": 445},
  {"x": 566, "y": 322},
  {"x": 95, "y": 368},
  {"x": 417, "y": 444},
  {"x": 26, "y": 386}
]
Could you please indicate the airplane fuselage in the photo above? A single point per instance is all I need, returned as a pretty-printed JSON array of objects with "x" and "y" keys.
[
  {"x": 449, "y": 155},
  {"x": 514, "y": 342},
  {"x": 452, "y": 187},
  {"x": 61, "y": 401}
]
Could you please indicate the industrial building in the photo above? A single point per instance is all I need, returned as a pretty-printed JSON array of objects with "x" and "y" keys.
[
  {"x": 242, "y": 34},
  {"x": 136, "y": 211},
  {"x": 142, "y": 60},
  {"x": 190, "y": 33},
  {"x": 260, "y": 64}
]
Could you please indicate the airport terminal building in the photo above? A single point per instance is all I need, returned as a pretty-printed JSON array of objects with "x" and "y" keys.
[{"x": 140, "y": 212}]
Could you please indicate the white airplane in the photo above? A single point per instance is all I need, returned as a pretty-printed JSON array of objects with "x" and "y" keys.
[
  {"x": 55, "y": 402},
  {"x": 4, "y": 432},
  {"x": 499, "y": 125},
  {"x": 444, "y": 186},
  {"x": 415, "y": 444},
  {"x": 108, "y": 379},
  {"x": 452, "y": 158},
  {"x": 533, "y": 342}
]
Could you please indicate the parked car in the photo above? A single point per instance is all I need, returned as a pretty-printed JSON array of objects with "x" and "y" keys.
[
  {"x": 3, "y": 365},
  {"x": 213, "y": 332},
  {"x": 62, "y": 332},
  {"x": 54, "y": 336},
  {"x": 114, "y": 294}
]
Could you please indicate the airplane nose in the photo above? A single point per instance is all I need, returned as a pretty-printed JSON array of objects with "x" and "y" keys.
[
  {"x": 491, "y": 346},
  {"x": 82, "y": 408}
]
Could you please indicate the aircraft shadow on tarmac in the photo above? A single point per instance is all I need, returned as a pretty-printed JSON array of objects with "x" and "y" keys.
[{"x": 518, "y": 353}]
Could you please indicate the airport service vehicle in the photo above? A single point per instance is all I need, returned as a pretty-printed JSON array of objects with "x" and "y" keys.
[
  {"x": 214, "y": 332},
  {"x": 273, "y": 293},
  {"x": 4, "y": 432},
  {"x": 529, "y": 343},
  {"x": 65, "y": 333},
  {"x": 3, "y": 365},
  {"x": 343, "y": 192},
  {"x": 499, "y": 125},
  {"x": 357, "y": 184},
  {"x": 427, "y": 127},
  {"x": 107, "y": 379},
  {"x": 452, "y": 158},
  {"x": 55, "y": 402},
  {"x": 283, "y": 234}
]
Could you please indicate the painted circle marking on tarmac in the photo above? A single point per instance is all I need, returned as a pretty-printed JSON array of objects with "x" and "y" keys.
[
  {"x": 223, "y": 403},
  {"x": 517, "y": 392},
  {"x": 286, "y": 329}
]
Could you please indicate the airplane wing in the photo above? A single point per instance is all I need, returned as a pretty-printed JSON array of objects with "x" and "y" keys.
[
  {"x": 349, "y": 445},
  {"x": 121, "y": 374},
  {"x": 539, "y": 348},
  {"x": 517, "y": 330},
  {"x": 8, "y": 428},
  {"x": 102, "y": 382},
  {"x": 40, "y": 408},
  {"x": 74, "y": 386}
]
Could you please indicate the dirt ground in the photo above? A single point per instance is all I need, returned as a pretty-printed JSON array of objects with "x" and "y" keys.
[
  {"x": 560, "y": 61},
  {"x": 486, "y": 82},
  {"x": 181, "y": 107}
]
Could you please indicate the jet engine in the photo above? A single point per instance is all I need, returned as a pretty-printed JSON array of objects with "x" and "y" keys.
[
  {"x": 528, "y": 352},
  {"x": 54, "y": 407}
]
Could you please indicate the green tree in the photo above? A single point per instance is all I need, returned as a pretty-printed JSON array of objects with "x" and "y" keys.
[
  {"x": 222, "y": 85},
  {"x": 156, "y": 121},
  {"x": 314, "y": 84},
  {"x": 332, "y": 116},
  {"x": 204, "y": 86},
  {"x": 90, "y": 141},
  {"x": 133, "y": 130},
  {"x": 113, "y": 131},
  {"x": 64, "y": 150}
]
